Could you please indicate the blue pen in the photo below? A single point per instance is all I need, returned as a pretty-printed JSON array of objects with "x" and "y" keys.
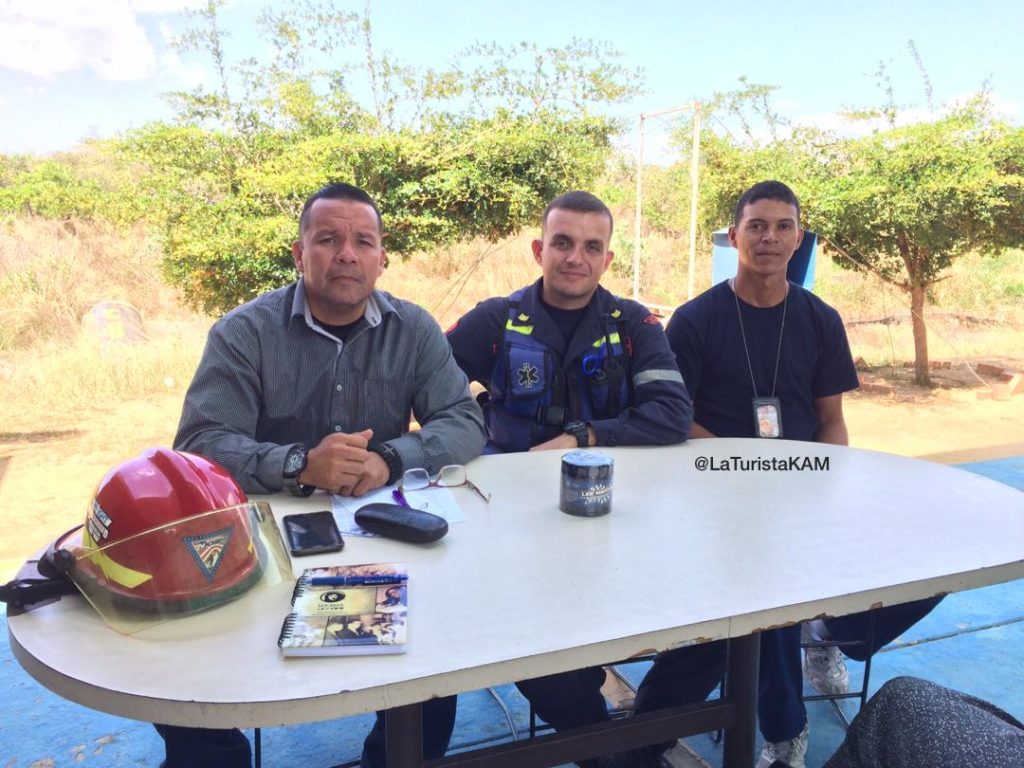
[
  {"x": 356, "y": 581},
  {"x": 399, "y": 497}
]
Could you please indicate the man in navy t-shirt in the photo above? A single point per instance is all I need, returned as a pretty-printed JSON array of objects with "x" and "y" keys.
[
  {"x": 758, "y": 338},
  {"x": 763, "y": 357}
]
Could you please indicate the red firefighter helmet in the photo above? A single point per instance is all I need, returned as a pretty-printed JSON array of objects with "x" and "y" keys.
[{"x": 169, "y": 531}]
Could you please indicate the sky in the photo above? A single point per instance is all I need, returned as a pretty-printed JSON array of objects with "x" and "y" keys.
[{"x": 75, "y": 69}]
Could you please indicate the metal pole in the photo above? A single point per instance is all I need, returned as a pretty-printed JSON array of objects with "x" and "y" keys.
[
  {"x": 694, "y": 196},
  {"x": 744, "y": 657},
  {"x": 639, "y": 199},
  {"x": 637, "y": 218}
]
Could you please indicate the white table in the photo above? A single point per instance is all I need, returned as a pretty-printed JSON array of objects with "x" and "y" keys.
[{"x": 521, "y": 590}]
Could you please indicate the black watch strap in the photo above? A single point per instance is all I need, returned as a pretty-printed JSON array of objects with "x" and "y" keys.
[
  {"x": 578, "y": 429},
  {"x": 392, "y": 458},
  {"x": 302, "y": 491},
  {"x": 294, "y": 463}
]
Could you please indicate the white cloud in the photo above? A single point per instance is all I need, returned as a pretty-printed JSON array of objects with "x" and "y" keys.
[
  {"x": 164, "y": 6},
  {"x": 1002, "y": 106},
  {"x": 167, "y": 32},
  {"x": 175, "y": 72},
  {"x": 50, "y": 38},
  {"x": 181, "y": 74},
  {"x": 844, "y": 126}
]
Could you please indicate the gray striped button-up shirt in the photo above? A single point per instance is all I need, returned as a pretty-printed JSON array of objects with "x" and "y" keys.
[{"x": 271, "y": 378}]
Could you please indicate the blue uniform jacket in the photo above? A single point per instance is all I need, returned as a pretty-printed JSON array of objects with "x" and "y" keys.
[{"x": 656, "y": 408}]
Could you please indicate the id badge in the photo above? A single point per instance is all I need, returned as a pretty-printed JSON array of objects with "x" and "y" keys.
[{"x": 768, "y": 416}]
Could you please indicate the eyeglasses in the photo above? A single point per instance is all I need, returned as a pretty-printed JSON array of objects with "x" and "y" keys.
[{"x": 450, "y": 476}]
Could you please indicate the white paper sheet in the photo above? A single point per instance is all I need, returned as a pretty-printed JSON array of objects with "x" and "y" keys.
[{"x": 438, "y": 501}]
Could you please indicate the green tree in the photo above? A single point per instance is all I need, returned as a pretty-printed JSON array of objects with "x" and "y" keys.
[
  {"x": 475, "y": 150},
  {"x": 906, "y": 202},
  {"x": 902, "y": 203},
  {"x": 743, "y": 140},
  {"x": 51, "y": 188},
  {"x": 467, "y": 179},
  {"x": 530, "y": 80},
  {"x": 226, "y": 182}
]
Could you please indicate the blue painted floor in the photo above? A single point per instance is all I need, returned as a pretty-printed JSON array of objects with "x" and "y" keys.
[{"x": 973, "y": 641}]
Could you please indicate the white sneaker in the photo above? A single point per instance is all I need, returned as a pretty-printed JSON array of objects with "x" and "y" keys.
[
  {"x": 826, "y": 670},
  {"x": 790, "y": 752}
]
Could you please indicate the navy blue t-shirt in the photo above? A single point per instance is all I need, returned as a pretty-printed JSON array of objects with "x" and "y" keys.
[
  {"x": 815, "y": 359},
  {"x": 566, "y": 320}
]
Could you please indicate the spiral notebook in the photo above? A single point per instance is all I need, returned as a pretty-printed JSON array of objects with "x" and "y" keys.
[{"x": 344, "y": 610}]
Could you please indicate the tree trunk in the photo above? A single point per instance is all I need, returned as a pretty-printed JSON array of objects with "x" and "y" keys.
[{"x": 917, "y": 297}]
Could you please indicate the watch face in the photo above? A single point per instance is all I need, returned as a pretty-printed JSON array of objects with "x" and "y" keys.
[{"x": 294, "y": 462}]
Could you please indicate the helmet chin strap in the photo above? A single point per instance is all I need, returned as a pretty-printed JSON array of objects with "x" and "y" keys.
[
  {"x": 57, "y": 562},
  {"x": 43, "y": 581}
]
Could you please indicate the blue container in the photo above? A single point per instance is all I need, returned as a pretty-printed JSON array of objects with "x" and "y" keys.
[
  {"x": 801, "y": 267},
  {"x": 586, "y": 484}
]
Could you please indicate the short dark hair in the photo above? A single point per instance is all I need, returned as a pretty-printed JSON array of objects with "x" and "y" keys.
[
  {"x": 766, "y": 190},
  {"x": 339, "y": 191},
  {"x": 580, "y": 202}
]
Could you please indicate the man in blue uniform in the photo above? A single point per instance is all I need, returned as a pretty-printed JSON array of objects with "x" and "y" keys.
[{"x": 566, "y": 364}]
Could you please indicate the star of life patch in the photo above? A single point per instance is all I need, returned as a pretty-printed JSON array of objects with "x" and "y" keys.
[
  {"x": 528, "y": 375},
  {"x": 208, "y": 550}
]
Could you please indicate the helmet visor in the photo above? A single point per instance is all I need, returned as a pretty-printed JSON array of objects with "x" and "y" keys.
[{"x": 183, "y": 567}]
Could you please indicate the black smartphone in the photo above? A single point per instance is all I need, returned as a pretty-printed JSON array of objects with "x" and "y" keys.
[{"x": 311, "y": 533}]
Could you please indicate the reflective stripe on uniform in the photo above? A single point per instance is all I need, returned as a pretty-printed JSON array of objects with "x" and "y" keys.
[
  {"x": 657, "y": 374},
  {"x": 613, "y": 339},
  {"x": 526, "y": 330}
]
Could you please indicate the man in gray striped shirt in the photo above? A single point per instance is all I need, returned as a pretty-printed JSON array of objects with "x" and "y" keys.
[{"x": 312, "y": 386}]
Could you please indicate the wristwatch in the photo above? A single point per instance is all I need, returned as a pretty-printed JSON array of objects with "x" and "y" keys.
[
  {"x": 578, "y": 429},
  {"x": 294, "y": 463},
  {"x": 392, "y": 458}
]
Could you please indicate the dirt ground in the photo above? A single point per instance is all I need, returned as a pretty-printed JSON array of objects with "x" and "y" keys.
[
  {"x": 963, "y": 417},
  {"x": 49, "y": 477}
]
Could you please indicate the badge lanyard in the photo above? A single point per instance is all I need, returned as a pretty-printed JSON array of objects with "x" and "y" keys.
[{"x": 767, "y": 410}]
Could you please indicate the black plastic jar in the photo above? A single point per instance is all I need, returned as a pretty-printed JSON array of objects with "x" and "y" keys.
[{"x": 586, "y": 484}]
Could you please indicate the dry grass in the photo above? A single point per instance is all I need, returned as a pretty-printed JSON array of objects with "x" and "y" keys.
[
  {"x": 451, "y": 281},
  {"x": 52, "y": 273},
  {"x": 454, "y": 279},
  {"x": 984, "y": 288},
  {"x": 976, "y": 311},
  {"x": 51, "y": 385}
]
